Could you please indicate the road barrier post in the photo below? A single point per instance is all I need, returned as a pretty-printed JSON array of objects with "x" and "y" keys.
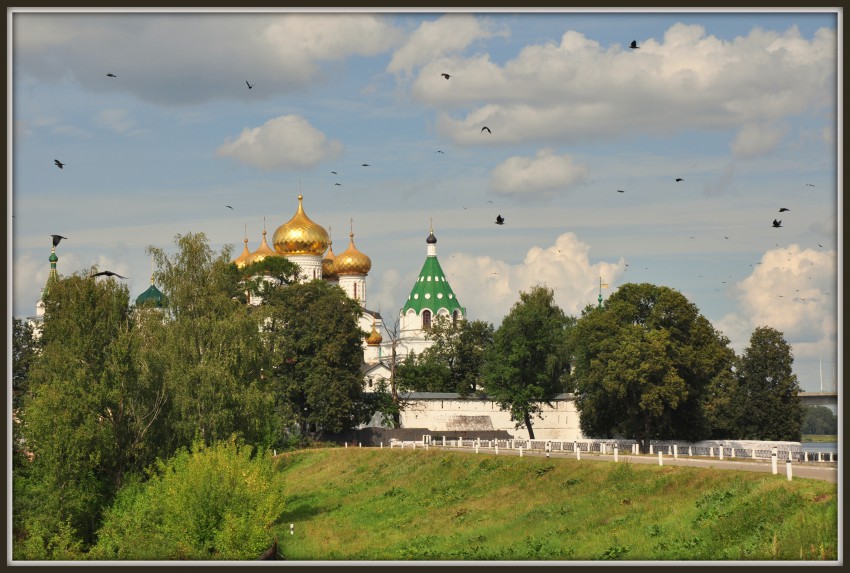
[
  {"x": 788, "y": 469},
  {"x": 773, "y": 460},
  {"x": 616, "y": 451},
  {"x": 660, "y": 457}
]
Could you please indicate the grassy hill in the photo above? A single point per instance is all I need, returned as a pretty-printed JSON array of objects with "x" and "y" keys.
[{"x": 356, "y": 504}]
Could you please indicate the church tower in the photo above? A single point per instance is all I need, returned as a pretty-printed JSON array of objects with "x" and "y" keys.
[
  {"x": 430, "y": 297},
  {"x": 303, "y": 242}
]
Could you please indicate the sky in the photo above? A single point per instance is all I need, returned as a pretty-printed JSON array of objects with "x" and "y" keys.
[{"x": 664, "y": 164}]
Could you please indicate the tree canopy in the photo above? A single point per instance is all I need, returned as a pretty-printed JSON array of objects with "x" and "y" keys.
[
  {"x": 648, "y": 365},
  {"x": 528, "y": 361}
]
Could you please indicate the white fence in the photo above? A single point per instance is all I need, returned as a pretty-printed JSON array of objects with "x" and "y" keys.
[{"x": 750, "y": 450}]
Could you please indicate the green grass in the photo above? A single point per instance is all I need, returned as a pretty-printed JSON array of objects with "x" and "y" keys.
[
  {"x": 359, "y": 504},
  {"x": 819, "y": 438}
]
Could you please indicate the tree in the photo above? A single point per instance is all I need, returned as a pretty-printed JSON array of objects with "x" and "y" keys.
[
  {"x": 528, "y": 362},
  {"x": 70, "y": 419},
  {"x": 768, "y": 389},
  {"x": 314, "y": 345},
  {"x": 24, "y": 351},
  {"x": 209, "y": 355},
  {"x": 454, "y": 361},
  {"x": 819, "y": 421},
  {"x": 649, "y": 365}
]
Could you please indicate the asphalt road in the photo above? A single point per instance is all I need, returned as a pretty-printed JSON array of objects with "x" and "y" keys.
[{"x": 825, "y": 471}]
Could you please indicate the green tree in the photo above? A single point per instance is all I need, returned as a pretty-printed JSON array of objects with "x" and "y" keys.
[
  {"x": 649, "y": 365},
  {"x": 819, "y": 420},
  {"x": 528, "y": 362},
  {"x": 453, "y": 363},
  {"x": 768, "y": 389},
  {"x": 209, "y": 354},
  {"x": 219, "y": 502},
  {"x": 314, "y": 343},
  {"x": 71, "y": 419},
  {"x": 24, "y": 351}
]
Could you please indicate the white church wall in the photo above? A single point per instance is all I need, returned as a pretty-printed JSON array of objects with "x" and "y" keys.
[{"x": 558, "y": 422}]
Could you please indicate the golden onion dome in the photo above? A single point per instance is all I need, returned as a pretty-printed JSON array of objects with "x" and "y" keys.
[
  {"x": 300, "y": 236},
  {"x": 374, "y": 338},
  {"x": 352, "y": 261},
  {"x": 242, "y": 259},
  {"x": 262, "y": 252},
  {"x": 328, "y": 263}
]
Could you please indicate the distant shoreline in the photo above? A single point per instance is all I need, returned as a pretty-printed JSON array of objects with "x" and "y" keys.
[{"x": 817, "y": 438}]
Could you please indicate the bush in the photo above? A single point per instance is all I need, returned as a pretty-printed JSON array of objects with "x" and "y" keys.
[{"x": 216, "y": 502}]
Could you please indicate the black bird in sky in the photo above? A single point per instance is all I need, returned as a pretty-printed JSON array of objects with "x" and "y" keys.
[
  {"x": 485, "y": 128},
  {"x": 334, "y": 172},
  {"x": 620, "y": 191},
  {"x": 338, "y": 184},
  {"x": 364, "y": 165},
  {"x": 107, "y": 274},
  {"x": 679, "y": 179},
  {"x": 447, "y": 76},
  {"x": 810, "y": 184},
  {"x": 783, "y": 209},
  {"x": 634, "y": 45},
  {"x": 439, "y": 151},
  {"x": 777, "y": 224},
  {"x": 249, "y": 85},
  {"x": 819, "y": 245},
  {"x": 111, "y": 75},
  {"x": 58, "y": 163},
  {"x": 57, "y": 238},
  {"x": 229, "y": 207},
  {"x": 500, "y": 220}
]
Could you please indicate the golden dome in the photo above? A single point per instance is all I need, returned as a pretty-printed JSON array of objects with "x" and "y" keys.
[
  {"x": 262, "y": 252},
  {"x": 242, "y": 259},
  {"x": 374, "y": 338},
  {"x": 328, "y": 262},
  {"x": 300, "y": 236},
  {"x": 352, "y": 261}
]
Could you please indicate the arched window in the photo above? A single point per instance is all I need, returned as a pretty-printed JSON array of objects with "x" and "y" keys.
[
  {"x": 426, "y": 320},
  {"x": 455, "y": 317}
]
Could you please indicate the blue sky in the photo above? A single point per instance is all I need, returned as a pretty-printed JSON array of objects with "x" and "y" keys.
[{"x": 742, "y": 106}]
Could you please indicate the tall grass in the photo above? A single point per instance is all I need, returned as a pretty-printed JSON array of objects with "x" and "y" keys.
[{"x": 360, "y": 504}]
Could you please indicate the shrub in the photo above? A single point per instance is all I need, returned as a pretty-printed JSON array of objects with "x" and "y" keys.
[{"x": 216, "y": 502}]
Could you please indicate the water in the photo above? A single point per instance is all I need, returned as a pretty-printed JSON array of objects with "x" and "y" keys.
[{"x": 824, "y": 447}]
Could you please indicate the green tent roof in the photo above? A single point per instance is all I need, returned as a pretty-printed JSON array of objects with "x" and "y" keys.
[{"x": 432, "y": 291}]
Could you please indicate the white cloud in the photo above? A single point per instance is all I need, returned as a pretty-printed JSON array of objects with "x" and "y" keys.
[
  {"x": 449, "y": 34},
  {"x": 192, "y": 58},
  {"x": 489, "y": 287},
  {"x": 579, "y": 91},
  {"x": 539, "y": 176},
  {"x": 754, "y": 140},
  {"x": 791, "y": 290},
  {"x": 286, "y": 142}
]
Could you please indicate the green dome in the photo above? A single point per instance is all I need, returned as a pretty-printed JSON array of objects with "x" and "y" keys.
[
  {"x": 53, "y": 258},
  {"x": 151, "y": 297}
]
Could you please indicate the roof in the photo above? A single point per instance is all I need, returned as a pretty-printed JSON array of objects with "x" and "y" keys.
[
  {"x": 432, "y": 291},
  {"x": 151, "y": 297}
]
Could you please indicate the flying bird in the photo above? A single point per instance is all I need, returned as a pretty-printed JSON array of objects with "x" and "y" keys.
[
  {"x": 447, "y": 76},
  {"x": 111, "y": 75},
  {"x": 439, "y": 151},
  {"x": 500, "y": 220},
  {"x": 777, "y": 224},
  {"x": 782, "y": 209},
  {"x": 810, "y": 184},
  {"x": 634, "y": 45},
  {"x": 364, "y": 165},
  {"x": 58, "y": 163},
  {"x": 485, "y": 128},
  {"x": 229, "y": 207},
  {"x": 679, "y": 179},
  {"x": 334, "y": 172},
  {"x": 338, "y": 184},
  {"x": 107, "y": 274},
  {"x": 819, "y": 245},
  {"x": 620, "y": 191},
  {"x": 57, "y": 238},
  {"x": 249, "y": 85}
]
